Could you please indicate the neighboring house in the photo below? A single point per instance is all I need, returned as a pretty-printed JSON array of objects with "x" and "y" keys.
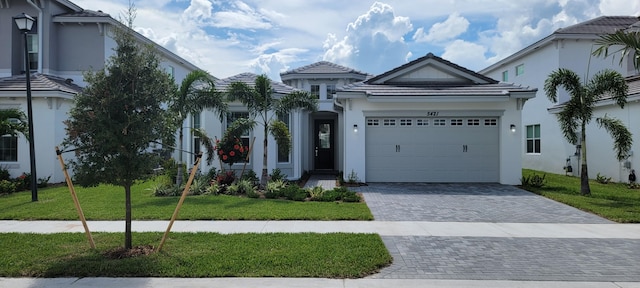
[
  {"x": 544, "y": 146},
  {"x": 65, "y": 41}
]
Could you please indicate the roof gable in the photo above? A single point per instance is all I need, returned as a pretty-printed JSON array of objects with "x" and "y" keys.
[{"x": 430, "y": 70}]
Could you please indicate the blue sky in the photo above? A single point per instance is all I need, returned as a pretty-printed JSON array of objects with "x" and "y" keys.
[{"x": 226, "y": 38}]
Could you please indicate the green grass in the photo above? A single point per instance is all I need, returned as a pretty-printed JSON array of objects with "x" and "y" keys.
[
  {"x": 335, "y": 255},
  {"x": 614, "y": 201},
  {"x": 107, "y": 203}
]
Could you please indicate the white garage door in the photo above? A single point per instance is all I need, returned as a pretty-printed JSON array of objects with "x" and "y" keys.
[{"x": 464, "y": 149}]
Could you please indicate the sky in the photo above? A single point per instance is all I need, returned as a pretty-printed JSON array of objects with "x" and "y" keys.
[{"x": 226, "y": 38}]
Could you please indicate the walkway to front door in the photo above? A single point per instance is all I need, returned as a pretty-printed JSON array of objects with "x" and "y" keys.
[{"x": 327, "y": 181}]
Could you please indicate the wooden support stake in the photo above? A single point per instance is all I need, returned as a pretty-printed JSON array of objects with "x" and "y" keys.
[
  {"x": 184, "y": 195},
  {"x": 75, "y": 199},
  {"x": 248, "y": 156}
]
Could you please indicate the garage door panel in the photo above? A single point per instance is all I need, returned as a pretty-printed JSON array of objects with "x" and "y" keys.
[{"x": 432, "y": 153}]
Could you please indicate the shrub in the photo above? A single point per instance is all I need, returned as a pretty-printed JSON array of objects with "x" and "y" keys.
[
  {"x": 315, "y": 192},
  {"x": 199, "y": 186},
  {"x": 353, "y": 177},
  {"x": 170, "y": 167},
  {"x": 43, "y": 182},
  {"x": 7, "y": 187},
  {"x": 226, "y": 178},
  {"x": 535, "y": 181},
  {"x": 213, "y": 188},
  {"x": 251, "y": 177},
  {"x": 339, "y": 194},
  {"x": 603, "y": 179},
  {"x": 4, "y": 174},
  {"x": 276, "y": 175},
  {"x": 295, "y": 193},
  {"x": 241, "y": 187},
  {"x": 274, "y": 189},
  {"x": 23, "y": 182}
]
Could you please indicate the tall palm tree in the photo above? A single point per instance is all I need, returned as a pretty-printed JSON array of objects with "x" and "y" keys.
[
  {"x": 626, "y": 41},
  {"x": 13, "y": 122},
  {"x": 196, "y": 93},
  {"x": 578, "y": 111},
  {"x": 260, "y": 101}
]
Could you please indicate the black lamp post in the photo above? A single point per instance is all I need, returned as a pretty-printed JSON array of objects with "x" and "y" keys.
[{"x": 24, "y": 23}]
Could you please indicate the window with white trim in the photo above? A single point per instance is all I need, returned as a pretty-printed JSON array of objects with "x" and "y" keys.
[
  {"x": 490, "y": 122},
  {"x": 315, "y": 91},
  {"x": 8, "y": 148},
  {"x": 456, "y": 122},
  {"x": 196, "y": 139},
  {"x": 473, "y": 122},
  {"x": 373, "y": 122},
  {"x": 505, "y": 76},
  {"x": 422, "y": 122},
  {"x": 331, "y": 89},
  {"x": 284, "y": 157},
  {"x": 406, "y": 122},
  {"x": 533, "y": 139},
  {"x": 439, "y": 122},
  {"x": 389, "y": 122},
  {"x": 233, "y": 116},
  {"x": 519, "y": 69}
]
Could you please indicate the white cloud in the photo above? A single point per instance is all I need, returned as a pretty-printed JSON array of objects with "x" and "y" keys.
[
  {"x": 449, "y": 29},
  {"x": 374, "y": 42},
  {"x": 461, "y": 52},
  {"x": 242, "y": 17},
  {"x": 619, "y": 7}
]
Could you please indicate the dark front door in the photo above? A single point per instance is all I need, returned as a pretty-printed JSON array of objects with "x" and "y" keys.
[{"x": 324, "y": 144}]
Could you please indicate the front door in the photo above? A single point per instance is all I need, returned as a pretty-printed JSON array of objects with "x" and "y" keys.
[{"x": 324, "y": 145}]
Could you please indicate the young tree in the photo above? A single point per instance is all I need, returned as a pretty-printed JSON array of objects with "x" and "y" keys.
[
  {"x": 13, "y": 122},
  {"x": 117, "y": 117},
  {"x": 628, "y": 43},
  {"x": 260, "y": 101},
  {"x": 197, "y": 92},
  {"x": 578, "y": 111}
]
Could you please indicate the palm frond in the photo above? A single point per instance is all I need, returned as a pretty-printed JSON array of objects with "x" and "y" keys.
[
  {"x": 609, "y": 83},
  {"x": 297, "y": 100},
  {"x": 206, "y": 142},
  {"x": 240, "y": 126},
  {"x": 280, "y": 132},
  {"x": 626, "y": 42},
  {"x": 13, "y": 122},
  {"x": 564, "y": 78},
  {"x": 622, "y": 138}
]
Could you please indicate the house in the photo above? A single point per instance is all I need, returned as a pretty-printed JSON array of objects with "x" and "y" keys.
[
  {"x": 65, "y": 41},
  {"x": 544, "y": 146},
  {"x": 426, "y": 121}
]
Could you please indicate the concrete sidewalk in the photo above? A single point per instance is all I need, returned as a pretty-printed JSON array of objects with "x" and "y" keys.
[
  {"x": 291, "y": 282},
  {"x": 383, "y": 228}
]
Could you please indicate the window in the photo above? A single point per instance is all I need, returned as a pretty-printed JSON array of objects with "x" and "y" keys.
[
  {"x": 233, "y": 116},
  {"x": 519, "y": 69},
  {"x": 389, "y": 122},
  {"x": 505, "y": 76},
  {"x": 315, "y": 91},
  {"x": 405, "y": 122},
  {"x": 490, "y": 122},
  {"x": 331, "y": 89},
  {"x": 196, "y": 140},
  {"x": 32, "y": 47},
  {"x": 8, "y": 148},
  {"x": 533, "y": 138},
  {"x": 284, "y": 157},
  {"x": 422, "y": 122},
  {"x": 456, "y": 122},
  {"x": 373, "y": 122},
  {"x": 439, "y": 122},
  {"x": 473, "y": 122}
]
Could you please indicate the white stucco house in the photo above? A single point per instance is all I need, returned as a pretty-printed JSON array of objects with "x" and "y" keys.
[
  {"x": 65, "y": 41},
  {"x": 426, "y": 121},
  {"x": 544, "y": 147}
]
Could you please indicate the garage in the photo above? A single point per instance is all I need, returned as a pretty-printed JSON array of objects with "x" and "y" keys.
[{"x": 415, "y": 149}]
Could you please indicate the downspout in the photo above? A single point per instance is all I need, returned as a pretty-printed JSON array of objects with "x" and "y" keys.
[{"x": 40, "y": 27}]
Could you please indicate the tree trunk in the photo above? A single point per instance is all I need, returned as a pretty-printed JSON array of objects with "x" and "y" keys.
[
  {"x": 127, "y": 230},
  {"x": 179, "y": 175},
  {"x": 584, "y": 175},
  {"x": 265, "y": 172}
]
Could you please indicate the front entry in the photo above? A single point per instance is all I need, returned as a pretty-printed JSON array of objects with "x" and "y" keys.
[{"x": 324, "y": 144}]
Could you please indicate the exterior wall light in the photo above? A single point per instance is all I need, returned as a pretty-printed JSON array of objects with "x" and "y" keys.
[
  {"x": 512, "y": 128},
  {"x": 355, "y": 128}
]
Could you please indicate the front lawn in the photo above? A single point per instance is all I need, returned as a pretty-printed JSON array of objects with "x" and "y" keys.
[
  {"x": 614, "y": 201},
  {"x": 106, "y": 202},
  {"x": 194, "y": 255}
]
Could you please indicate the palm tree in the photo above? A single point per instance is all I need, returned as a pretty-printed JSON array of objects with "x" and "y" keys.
[
  {"x": 260, "y": 100},
  {"x": 630, "y": 42},
  {"x": 13, "y": 122},
  {"x": 578, "y": 111},
  {"x": 196, "y": 93}
]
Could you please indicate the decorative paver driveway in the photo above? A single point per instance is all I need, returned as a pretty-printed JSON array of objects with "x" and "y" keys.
[
  {"x": 467, "y": 203},
  {"x": 494, "y": 258}
]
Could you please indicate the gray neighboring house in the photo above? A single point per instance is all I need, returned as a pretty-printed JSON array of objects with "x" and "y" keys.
[
  {"x": 65, "y": 41},
  {"x": 544, "y": 146}
]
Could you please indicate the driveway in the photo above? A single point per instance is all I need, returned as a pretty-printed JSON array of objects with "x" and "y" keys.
[{"x": 494, "y": 258}]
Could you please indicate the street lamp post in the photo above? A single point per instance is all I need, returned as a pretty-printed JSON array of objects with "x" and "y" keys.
[{"x": 24, "y": 23}]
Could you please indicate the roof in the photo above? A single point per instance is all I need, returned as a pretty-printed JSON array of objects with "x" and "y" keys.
[
  {"x": 250, "y": 79},
  {"x": 39, "y": 82},
  {"x": 323, "y": 67},
  {"x": 430, "y": 57},
  {"x": 591, "y": 29},
  {"x": 600, "y": 25},
  {"x": 85, "y": 13},
  {"x": 434, "y": 77}
]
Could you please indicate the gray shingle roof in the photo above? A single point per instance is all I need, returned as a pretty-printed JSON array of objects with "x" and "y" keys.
[
  {"x": 600, "y": 25},
  {"x": 430, "y": 56},
  {"x": 39, "y": 82},
  {"x": 85, "y": 13},
  {"x": 250, "y": 79},
  {"x": 323, "y": 67},
  {"x": 436, "y": 90}
]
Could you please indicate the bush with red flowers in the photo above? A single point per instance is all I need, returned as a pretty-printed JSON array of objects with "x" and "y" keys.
[{"x": 230, "y": 150}]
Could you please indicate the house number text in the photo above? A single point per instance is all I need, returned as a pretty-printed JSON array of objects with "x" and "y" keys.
[{"x": 432, "y": 113}]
